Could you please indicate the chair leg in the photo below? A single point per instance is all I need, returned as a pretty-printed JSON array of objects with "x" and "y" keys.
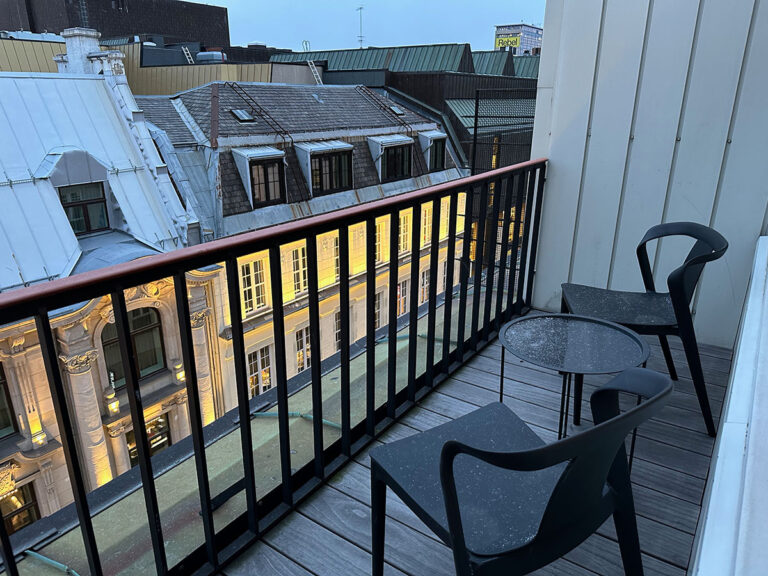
[
  {"x": 378, "y": 517},
  {"x": 697, "y": 375},
  {"x": 668, "y": 356},
  {"x": 629, "y": 542},
  {"x": 578, "y": 388}
]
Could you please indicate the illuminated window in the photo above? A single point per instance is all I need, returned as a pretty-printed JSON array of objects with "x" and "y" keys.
[
  {"x": 19, "y": 508},
  {"x": 396, "y": 163},
  {"x": 380, "y": 236},
  {"x": 337, "y": 330},
  {"x": 147, "y": 339},
  {"x": 404, "y": 240},
  {"x": 377, "y": 300},
  {"x": 303, "y": 351},
  {"x": 253, "y": 285},
  {"x": 437, "y": 155},
  {"x": 424, "y": 287},
  {"x": 299, "y": 261},
  {"x": 426, "y": 224},
  {"x": 85, "y": 206},
  {"x": 7, "y": 418},
  {"x": 331, "y": 172},
  {"x": 402, "y": 297},
  {"x": 336, "y": 259},
  {"x": 158, "y": 436},
  {"x": 259, "y": 371},
  {"x": 267, "y": 182},
  {"x": 445, "y": 275}
]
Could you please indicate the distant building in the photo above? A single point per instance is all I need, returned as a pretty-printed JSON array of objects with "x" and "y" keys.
[
  {"x": 181, "y": 21},
  {"x": 518, "y": 38}
]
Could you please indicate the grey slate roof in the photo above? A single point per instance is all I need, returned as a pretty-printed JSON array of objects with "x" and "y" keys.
[
  {"x": 160, "y": 111},
  {"x": 297, "y": 108}
]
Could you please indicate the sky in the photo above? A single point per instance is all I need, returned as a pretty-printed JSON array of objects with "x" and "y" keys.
[{"x": 331, "y": 24}]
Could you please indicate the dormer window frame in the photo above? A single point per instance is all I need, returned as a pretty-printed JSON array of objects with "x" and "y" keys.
[
  {"x": 383, "y": 148},
  {"x": 84, "y": 205},
  {"x": 431, "y": 141},
  {"x": 310, "y": 154},
  {"x": 322, "y": 169},
  {"x": 264, "y": 165}
]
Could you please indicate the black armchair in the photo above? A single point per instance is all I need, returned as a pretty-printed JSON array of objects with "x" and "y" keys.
[
  {"x": 505, "y": 502},
  {"x": 656, "y": 313}
]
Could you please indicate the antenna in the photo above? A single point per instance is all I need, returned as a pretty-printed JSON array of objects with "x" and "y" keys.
[
  {"x": 305, "y": 45},
  {"x": 360, "y": 36}
]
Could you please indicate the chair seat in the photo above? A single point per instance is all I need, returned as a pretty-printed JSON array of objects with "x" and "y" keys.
[
  {"x": 636, "y": 310},
  {"x": 500, "y": 509}
]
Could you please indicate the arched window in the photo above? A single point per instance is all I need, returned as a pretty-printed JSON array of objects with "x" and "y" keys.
[{"x": 147, "y": 339}]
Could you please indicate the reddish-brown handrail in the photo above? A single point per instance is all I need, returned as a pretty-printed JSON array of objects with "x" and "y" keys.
[{"x": 70, "y": 287}]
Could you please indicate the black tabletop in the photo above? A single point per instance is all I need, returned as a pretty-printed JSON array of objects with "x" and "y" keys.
[{"x": 575, "y": 344}]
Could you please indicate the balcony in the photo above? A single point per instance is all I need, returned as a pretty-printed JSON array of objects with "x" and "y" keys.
[{"x": 268, "y": 475}]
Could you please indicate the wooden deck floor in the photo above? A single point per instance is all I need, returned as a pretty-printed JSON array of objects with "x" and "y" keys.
[{"x": 329, "y": 534}]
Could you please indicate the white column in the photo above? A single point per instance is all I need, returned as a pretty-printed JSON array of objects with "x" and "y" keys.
[
  {"x": 86, "y": 408},
  {"x": 120, "y": 449},
  {"x": 203, "y": 365}
]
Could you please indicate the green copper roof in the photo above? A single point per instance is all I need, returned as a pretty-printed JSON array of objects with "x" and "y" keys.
[
  {"x": 527, "y": 66},
  {"x": 495, "y": 62},
  {"x": 430, "y": 58}
]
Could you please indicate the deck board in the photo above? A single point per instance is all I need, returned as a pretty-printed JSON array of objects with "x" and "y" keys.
[{"x": 329, "y": 533}]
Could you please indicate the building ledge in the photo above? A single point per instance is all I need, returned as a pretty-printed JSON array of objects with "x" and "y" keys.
[{"x": 731, "y": 532}]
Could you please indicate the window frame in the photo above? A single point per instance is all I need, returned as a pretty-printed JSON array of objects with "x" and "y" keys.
[
  {"x": 437, "y": 143},
  {"x": 31, "y": 505},
  {"x": 115, "y": 341},
  {"x": 299, "y": 270},
  {"x": 318, "y": 189},
  {"x": 378, "y": 304},
  {"x": 424, "y": 286},
  {"x": 390, "y": 150},
  {"x": 337, "y": 330},
  {"x": 402, "y": 297},
  {"x": 264, "y": 164},
  {"x": 404, "y": 232},
  {"x": 303, "y": 349},
  {"x": 256, "y": 285},
  {"x": 83, "y": 205},
  {"x": 257, "y": 377},
  {"x": 5, "y": 385}
]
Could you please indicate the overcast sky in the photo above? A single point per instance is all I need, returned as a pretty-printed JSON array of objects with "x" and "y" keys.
[{"x": 330, "y": 24}]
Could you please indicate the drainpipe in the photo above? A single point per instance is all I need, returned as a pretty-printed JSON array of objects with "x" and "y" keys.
[{"x": 52, "y": 563}]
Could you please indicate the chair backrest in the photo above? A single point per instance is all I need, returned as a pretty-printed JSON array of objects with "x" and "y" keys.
[
  {"x": 710, "y": 245},
  {"x": 596, "y": 459}
]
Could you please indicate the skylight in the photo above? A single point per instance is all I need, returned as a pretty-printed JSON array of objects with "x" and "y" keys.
[
  {"x": 397, "y": 110},
  {"x": 243, "y": 115}
]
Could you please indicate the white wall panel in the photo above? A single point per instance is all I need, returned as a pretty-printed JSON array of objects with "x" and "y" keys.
[
  {"x": 569, "y": 120},
  {"x": 743, "y": 195},
  {"x": 635, "y": 175},
  {"x": 614, "y": 101},
  {"x": 670, "y": 38}
]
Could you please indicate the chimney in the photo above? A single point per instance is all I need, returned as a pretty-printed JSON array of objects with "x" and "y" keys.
[{"x": 80, "y": 43}]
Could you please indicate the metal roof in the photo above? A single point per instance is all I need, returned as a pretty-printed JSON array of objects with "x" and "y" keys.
[
  {"x": 527, "y": 66},
  {"x": 40, "y": 116},
  {"x": 258, "y": 152},
  {"x": 391, "y": 140},
  {"x": 324, "y": 146},
  {"x": 506, "y": 114},
  {"x": 427, "y": 58},
  {"x": 494, "y": 62}
]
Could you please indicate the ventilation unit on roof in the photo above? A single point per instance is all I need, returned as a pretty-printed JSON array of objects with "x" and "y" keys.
[
  {"x": 397, "y": 110},
  {"x": 243, "y": 115}
]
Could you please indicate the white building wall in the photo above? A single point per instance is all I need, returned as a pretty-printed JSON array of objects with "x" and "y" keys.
[{"x": 651, "y": 120}]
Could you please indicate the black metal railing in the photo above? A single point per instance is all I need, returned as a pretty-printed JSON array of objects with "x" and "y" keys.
[{"x": 489, "y": 245}]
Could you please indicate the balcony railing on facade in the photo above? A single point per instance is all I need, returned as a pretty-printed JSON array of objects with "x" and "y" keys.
[{"x": 280, "y": 445}]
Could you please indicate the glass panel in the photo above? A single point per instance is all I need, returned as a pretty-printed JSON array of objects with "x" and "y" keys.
[
  {"x": 273, "y": 178},
  {"x": 149, "y": 351},
  {"x": 76, "y": 217},
  {"x": 81, "y": 193},
  {"x": 97, "y": 215},
  {"x": 19, "y": 508},
  {"x": 258, "y": 184}
]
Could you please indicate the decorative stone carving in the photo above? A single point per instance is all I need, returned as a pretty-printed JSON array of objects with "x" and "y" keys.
[
  {"x": 151, "y": 289},
  {"x": 17, "y": 344},
  {"x": 108, "y": 314},
  {"x": 7, "y": 482},
  {"x": 178, "y": 399},
  {"x": 79, "y": 363},
  {"x": 46, "y": 472},
  {"x": 116, "y": 431},
  {"x": 132, "y": 293},
  {"x": 197, "y": 319}
]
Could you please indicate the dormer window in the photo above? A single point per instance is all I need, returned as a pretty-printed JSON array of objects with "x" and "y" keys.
[
  {"x": 327, "y": 165},
  {"x": 262, "y": 171},
  {"x": 392, "y": 156},
  {"x": 86, "y": 207},
  {"x": 331, "y": 172},
  {"x": 433, "y": 147}
]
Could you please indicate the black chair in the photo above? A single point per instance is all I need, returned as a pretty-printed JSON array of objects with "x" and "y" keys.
[
  {"x": 656, "y": 313},
  {"x": 506, "y": 502}
]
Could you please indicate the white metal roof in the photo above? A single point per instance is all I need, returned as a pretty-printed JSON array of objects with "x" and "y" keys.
[
  {"x": 258, "y": 152},
  {"x": 41, "y": 115},
  {"x": 391, "y": 140},
  {"x": 324, "y": 146},
  {"x": 433, "y": 134}
]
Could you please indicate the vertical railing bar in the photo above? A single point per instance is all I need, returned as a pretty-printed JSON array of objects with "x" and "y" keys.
[
  {"x": 479, "y": 258},
  {"x": 492, "y": 234},
  {"x": 449, "y": 258},
  {"x": 507, "y": 184},
  {"x": 413, "y": 317},
  {"x": 9, "y": 560},
  {"x": 68, "y": 440},
  {"x": 278, "y": 325},
  {"x": 434, "y": 253},
  {"x": 346, "y": 408},
  {"x": 243, "y": 399},
  {"x": 535, "y": 234},
  {"x": 195, "y": 419},
  {"x": 394, "y": 279},
  {"x": 370, "y": 325},
  {"x": 316, "y": 367},
  {"x": 464, "y": 270},
  {"x": 511, "y": 296},
  {"x": 524, "y": 245},
  {"x": 136, "y": 405}
]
